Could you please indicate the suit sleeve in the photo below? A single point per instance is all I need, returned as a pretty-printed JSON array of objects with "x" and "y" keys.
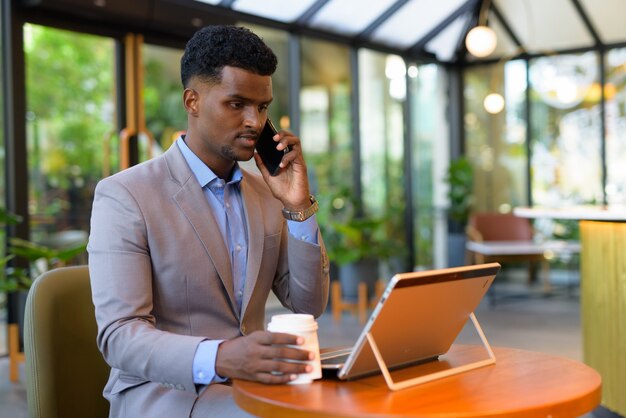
[
  {"x": 302, "y": 279},
  {"x": 121, "y": 280}
]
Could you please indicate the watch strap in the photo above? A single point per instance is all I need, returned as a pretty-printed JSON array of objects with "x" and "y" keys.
[{"x": 303, "y": 215}]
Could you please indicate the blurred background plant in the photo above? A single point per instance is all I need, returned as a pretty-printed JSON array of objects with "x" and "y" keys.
[
  {"x": 460, "y": 179},
  {"x": 349, "y": 236},
  {"x": 39, "y": 258}
]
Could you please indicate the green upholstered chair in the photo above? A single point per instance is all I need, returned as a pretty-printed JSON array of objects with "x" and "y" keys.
[{"x": 65, "y": 372}]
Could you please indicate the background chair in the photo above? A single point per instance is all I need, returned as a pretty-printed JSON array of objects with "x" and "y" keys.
[
  {"x": 65, "y": 372},
  {"x": 361, "y": 305},
  {"x": 506, "y": 230}
]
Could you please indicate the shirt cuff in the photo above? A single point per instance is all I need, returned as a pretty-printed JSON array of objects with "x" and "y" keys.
[
  {"x": 204, "y": 363},
  {"x": 304, "y": 231}
]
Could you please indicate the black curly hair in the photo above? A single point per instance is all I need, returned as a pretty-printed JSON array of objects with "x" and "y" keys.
[{"x": 213, "y": 47}]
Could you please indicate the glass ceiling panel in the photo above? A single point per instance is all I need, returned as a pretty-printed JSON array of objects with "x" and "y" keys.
[
  {"x": 281, "y": 10},
  {"x": 542, "y": 26},
  {"x": 534, "y": 22},
  {"x": 505, "y": 46},
  {"x": 444, "y": 45},
  {"x": 608, "y": 18},
  {"x": 349, "y": 17},
  {"x": 409, "y": 24}
]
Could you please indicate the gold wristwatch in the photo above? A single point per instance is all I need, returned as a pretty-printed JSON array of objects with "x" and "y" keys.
[{"x": 302, "y": 215}]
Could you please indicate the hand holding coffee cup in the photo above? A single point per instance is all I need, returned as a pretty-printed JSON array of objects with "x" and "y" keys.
[{"x": 304, "y": 326}]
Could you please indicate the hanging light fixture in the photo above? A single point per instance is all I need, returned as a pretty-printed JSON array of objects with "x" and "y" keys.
[
  {"x": 494, "y": 103},
  {"x": 481, "y": 41}
]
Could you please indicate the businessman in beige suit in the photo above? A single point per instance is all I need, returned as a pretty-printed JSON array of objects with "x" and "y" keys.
[{"x": 185, "y": 248}]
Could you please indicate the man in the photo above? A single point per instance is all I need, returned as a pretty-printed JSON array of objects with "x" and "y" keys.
[{"x": 185, "y": 248}]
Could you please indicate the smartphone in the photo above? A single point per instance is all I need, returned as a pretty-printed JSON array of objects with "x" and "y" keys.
[{"x": 266, "y": 147}]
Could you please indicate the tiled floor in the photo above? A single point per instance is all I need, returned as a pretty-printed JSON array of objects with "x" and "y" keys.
[{"x": 532, "y": 322}]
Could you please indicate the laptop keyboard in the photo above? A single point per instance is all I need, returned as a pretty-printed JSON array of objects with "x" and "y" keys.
[
  {"x": 337, "y": 359},
  {"x": 335, "y": 356}
]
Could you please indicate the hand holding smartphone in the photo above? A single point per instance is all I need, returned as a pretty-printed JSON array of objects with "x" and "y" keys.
[{"x": 266, "y": 147}]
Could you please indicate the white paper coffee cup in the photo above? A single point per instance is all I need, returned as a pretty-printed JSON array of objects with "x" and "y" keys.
[{"x": 305, "y": 326}]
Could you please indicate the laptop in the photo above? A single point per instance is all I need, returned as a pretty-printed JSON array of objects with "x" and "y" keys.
[{"x": 417, "y": 319}]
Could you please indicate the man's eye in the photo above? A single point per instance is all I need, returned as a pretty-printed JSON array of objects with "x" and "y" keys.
[
  {"x": 236, "y": 105},
  {"x": 263, "y": 108}
]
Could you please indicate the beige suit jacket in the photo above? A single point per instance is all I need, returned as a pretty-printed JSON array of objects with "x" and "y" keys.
[{"x": 162, "y": 281}]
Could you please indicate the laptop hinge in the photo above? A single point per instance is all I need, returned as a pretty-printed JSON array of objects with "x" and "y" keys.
[{"x": 436, "y": 375}]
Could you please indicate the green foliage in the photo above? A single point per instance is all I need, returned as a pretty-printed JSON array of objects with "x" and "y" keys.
[
  {"x": 566, "y": 229},
  {"x": 70, "y": 102},
  {"x": 349, "y": 237},
  {"x": 40, "y": 258},
  {"x": 8, "y": 218},
  {"x": 460, "y": 178},
  {"x": 163, "y": 103}
]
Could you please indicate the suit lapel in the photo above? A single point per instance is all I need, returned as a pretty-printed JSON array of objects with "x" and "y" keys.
[
  {"x": 256, "y": 236},
  {"x": 193, "y": 204}
]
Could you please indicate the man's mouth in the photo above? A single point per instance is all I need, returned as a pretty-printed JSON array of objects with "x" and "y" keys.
[{"x": 247, "y": 139}]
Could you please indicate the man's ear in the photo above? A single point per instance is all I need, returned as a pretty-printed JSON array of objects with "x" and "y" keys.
[{"x": 191, "y": 101}]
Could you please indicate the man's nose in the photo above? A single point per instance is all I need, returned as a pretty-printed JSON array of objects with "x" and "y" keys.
[{"x": 253, "y": 118}]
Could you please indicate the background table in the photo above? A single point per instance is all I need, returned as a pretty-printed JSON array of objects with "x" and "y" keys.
[{"x": 520, "y": 384}]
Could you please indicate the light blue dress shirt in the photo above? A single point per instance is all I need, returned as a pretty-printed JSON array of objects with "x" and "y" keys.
[{"x": 225, "y": 201}]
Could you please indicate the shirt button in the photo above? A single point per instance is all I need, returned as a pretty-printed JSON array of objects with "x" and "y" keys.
[
  {"x": 227, "y": 205},
  {"x": 200, "y": 375},
  {"x": 240, "y": 293},
  {"x": 238, "y": 247}
]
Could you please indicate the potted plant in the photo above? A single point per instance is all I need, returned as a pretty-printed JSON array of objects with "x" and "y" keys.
[
  {"x": 460, "y": 179},
  {"x": 355, "y": 243}
]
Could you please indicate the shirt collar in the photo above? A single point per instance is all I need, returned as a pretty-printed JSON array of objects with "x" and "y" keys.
[{"x": 200, "y": 170}]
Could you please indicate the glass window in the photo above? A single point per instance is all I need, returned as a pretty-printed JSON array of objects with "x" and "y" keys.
[
  {"x": 496, "y": 138},
  {"x": 70, "y": 127},
  {"x": 566, "y": 165},
  {"x": 325, "y": 114},
  {"x": 430, "y": 148},
  {"x": 382, "y": 92},
  {"x": 615, "y": 94},
  {"x": 278, "y": 41},
  {"x": 326, "y": 132},
  {"x": 162, "y": 95}
]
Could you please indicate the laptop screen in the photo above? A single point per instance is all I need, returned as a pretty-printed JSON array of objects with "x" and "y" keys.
[{"x": 419, "y": 316}]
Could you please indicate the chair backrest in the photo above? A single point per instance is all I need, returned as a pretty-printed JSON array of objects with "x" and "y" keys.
[
  {"x": 501, "y": 227},
  {"x": 65, "y": 372}
]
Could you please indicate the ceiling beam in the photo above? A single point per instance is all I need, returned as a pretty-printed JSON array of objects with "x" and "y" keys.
[
  {"x": 585, "y": 18},
  {"x": 472, "y": 20},
  {"x": 530, "y": 56},
  {"x": 226, "y": 3},
  {"x": 305, "y": 18},
  {"x": 507, "y": 27},
  {"x": 419, "y": 46},
  {"x": 218, "y": 12},
  {"x": 367, "y": 32}
]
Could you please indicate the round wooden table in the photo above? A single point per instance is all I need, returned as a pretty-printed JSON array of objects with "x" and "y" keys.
[{"x": 521, "y": 384}]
